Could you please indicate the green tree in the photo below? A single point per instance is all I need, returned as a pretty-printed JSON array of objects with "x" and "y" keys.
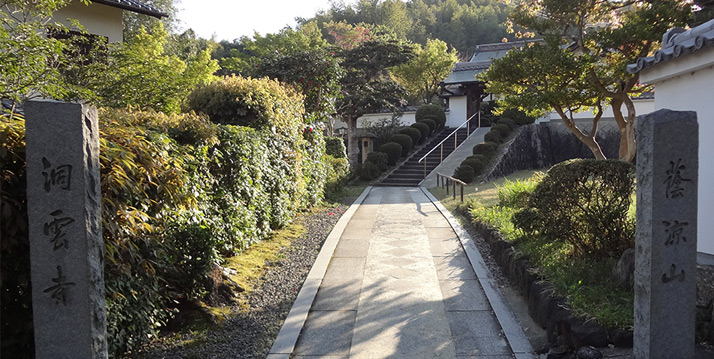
[
  {"x": 133, "y": 22},
  {"x": 422, "y": 74},
  {"x": 606, "y": 35}
]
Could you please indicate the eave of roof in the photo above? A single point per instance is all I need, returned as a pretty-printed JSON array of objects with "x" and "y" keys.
[
  {"x": 678, "y": 42},
  {"x": 135, "y": 6}
]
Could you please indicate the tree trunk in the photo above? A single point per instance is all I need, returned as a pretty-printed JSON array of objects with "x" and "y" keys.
[
  {"x": 352, "y": 142},
  {"x": 589, "y": 140},
  {"x": 628, "y": 146}
]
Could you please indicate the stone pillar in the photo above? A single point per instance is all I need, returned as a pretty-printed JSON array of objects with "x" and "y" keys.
[
  {"x": 66, "y": 248},
  {"x": 666, "y": 239}
]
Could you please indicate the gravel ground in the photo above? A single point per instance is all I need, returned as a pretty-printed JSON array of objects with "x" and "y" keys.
[{"x": 250, "y": 333}]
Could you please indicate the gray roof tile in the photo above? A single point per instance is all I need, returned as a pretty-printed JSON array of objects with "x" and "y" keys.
[
  {"x": 135, "y": 6},
  {"x": 677, "y": 42}
]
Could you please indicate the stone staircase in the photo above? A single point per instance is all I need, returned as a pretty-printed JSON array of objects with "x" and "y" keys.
[{"x": 411, "y": 172}]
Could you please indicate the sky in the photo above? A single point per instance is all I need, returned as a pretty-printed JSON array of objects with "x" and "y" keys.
[{"x": 231, "y": 19}]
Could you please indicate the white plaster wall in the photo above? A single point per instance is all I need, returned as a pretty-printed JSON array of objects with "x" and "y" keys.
[
  {"x": 678, "y": 88},
  {"x": 457, "y": 111},
  {"x": 98, "y": 19},
  {"x": 641, "y": 107},
  {"x": 407, "y": 119}
]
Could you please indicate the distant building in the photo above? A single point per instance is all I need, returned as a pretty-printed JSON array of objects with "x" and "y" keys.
[{"x": 683, "y": 74}]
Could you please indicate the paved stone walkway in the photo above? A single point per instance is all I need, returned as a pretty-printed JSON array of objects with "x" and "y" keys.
[{"x": 400, "y": 286}]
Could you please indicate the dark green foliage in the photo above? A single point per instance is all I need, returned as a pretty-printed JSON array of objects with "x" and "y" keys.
[
  {"x": 405, "y": 141},
  {"x": 479, "y": 157},
  {"x": 424, "y": 129},
  {"x": 508, "y": 122},
  {"x": 193, "y": 255},
  {"x": 379, "y": 159},
  {"x": 487, "y": 149},
  {"x": 368, "y": 171},
  {"x": 335, "y": 147},
  {"x": 464, "y": 173},
  {"x": 393, "y": 151},
  {"x": 503, "y": 129},
  {"x": 432, "y": 111},
  {"x": 584, "y": 203},
  {"x": 493, "y": 136},
  {"x": 477, "y": 165},
  {"x": 412, "y": 132},
  {"x": 429, "y": 122},
  {"x": 338, "y": 174},
  {"x": 519, "y": 117}
]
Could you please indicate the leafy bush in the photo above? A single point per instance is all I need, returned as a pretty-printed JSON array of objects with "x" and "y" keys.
[
  {"x": 493, "y": 136},
  {"x": 429, "y": 122},
  {"x": 584, "y": 203},
  {"x": 384, "y": 128},
  {"x": 193, "y": 255},
  {"x": 503, "y": 129},
  {"x": 413, "y": 133},
  {"x": 379, "y": 159},
  {"x": 516, "y": 194},
  {"x": 481, "y": 158},
  {"x": 256, "y": 103},
  {"x": 338, "y": 173},
  {"x": 335, "y": 147},
  {"x": 423, "y": 128},
  {"x": 519, "y": 117},
  {"x": 393, "y": 151},
  {"x": 508, "y": 122},
  {"x": 369, "y": 171},
  {"x": 487, "y": 149},
  {"x": 405, "y": 141},
  {"x": 477, "y": 165},
  {"x": 433, "y": 111},
  {"x": 464, "y": 173}
]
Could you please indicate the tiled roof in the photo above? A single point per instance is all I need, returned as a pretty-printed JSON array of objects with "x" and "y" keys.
[
  {"x": 466, "y": 72},
  {"x": 678, "y": 42},
  {"x": 135, "y": 6}
]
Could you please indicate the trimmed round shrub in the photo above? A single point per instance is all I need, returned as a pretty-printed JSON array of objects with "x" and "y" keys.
[
  {"x": 405, "y": 141},
  {"x": 584, "y": 203},
  {"x": 429, "y": 122},
  {"x": 433, "y": 111},
  {"x": 335, "y": 147},
  {"x": 464, "y": 173},
  {"x": 485, "y": 148},
  {"x": 393, "y": 151},
  {"x": 493, "y": 136},
  {"x": 368, "y": 171},
  {"x": 379, "y": 159},
  {"x": 424, "y": 129},
  {"x": 413, "y": 133},
  {"x": 476, "y": 164},
  {"x": 481, "y": 158},
  {"x": 503, "y": 129},
  {"x": 508, "y": 122},
  {"x": 519, "y": 117}
]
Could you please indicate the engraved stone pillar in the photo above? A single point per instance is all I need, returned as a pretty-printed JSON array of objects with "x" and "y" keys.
[
  {"x": 666, "y": 239},
  {"x": 66, "y": 248}
]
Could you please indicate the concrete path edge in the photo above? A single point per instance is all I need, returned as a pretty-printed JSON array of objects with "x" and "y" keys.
[
  {"x": 515, "y": 336},
  {"x": 284, "y": 343}
]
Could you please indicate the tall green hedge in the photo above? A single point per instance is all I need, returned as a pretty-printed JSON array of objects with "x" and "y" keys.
[{"x": 432, "y": 111}]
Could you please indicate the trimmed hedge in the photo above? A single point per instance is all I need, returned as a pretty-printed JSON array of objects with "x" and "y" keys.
[
  {"x": 369, "y": 171},
  {"x": 393, "y": 151},
  {"x": 476, "y": 164},
  {"x": 434, "y": 111},
  {"x": 519, "y": 117},
  {"x": 335, "y": 147},
  {"x": 493, "y": 136},
  {"x": 413, "y": 133},
  {"x": 424, "y": 129},
  {"x": 508, "y": 122},
  {"x": 487, "y": 149},
  {"x": 503, "y": 129},
  {"x": 464, "y": 173},
  {"x": 429, "y": 122},
  {"x": 481, "y": 158},
  {"x": 379, "y": 159},
  {"x": 405, "y": 141}
]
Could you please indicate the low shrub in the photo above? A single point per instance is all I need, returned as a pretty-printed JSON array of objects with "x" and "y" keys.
[
  {"x": 479, "y": 157},
  {"x": 337, "y": 175},
  {"x": 477, "y": 165},
  {"x": 464, "y": 173},
  {"x": 429, "y": 122},
  {"x": 519, "y": 117},
  {"x": 335, "y": 147},
  {"x": 369, "y": 171},
  {"x": 584, "y": 203},
  {"x": 379, "y": 159},
  {"x": 431, "y": 111},
  {"x": 405, "y": 141},
  {"x": 503, "y": 129},
  {"x": 424, "y": 129},
  {"x": 412, "y": 132},
  {"x": 493, "y": 136},
  {"x": 393, "y": 151},
  {"x": 508, "y": 122},
  {"x": 487, "y": 149}
]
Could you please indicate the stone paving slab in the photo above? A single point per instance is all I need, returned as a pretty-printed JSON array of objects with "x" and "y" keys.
[
  {"x": 463, "y": 295},
  {"x": 326, "y": 333}
]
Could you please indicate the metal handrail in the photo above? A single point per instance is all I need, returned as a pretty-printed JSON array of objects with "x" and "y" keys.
[
  {"x": 442, "y": 181},
  {"x": 441, "y": 144}
]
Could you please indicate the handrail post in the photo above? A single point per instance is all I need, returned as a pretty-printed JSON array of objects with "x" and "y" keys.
[
  {"x": 468, "y": 127},
  {"x": 456, "y": 140},
  {"x": 442, "y": 153},
  {"x": 462, "y": 193},
  {"x": 425, "y": 168},
  {"x": 447, "y": 186},
  {"x": 454, "y": 182}
]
